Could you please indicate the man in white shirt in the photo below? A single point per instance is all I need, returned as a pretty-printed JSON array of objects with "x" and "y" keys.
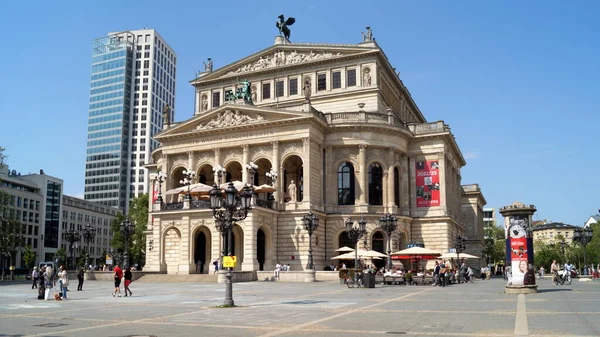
[{"x": 277, "y": 270}]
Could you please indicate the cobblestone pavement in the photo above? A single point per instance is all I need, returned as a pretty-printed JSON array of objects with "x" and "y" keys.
[{"x": 304, "y": 309}]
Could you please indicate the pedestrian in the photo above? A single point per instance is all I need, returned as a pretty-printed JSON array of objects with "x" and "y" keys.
[
  {"x": 80, "y": 276},
  {"x": 128, "y": 279},
  {"x": 118, "y": 275},
  {"x": 64, "y": 281},
  {"x": 49, "y": 283},
  {"x": 42, "y": 285},
  {"x": 34, "y": 277},
  {"x": 216, "y": 265}
]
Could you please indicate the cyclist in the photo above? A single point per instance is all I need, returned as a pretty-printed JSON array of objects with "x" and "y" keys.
[{"x": 568, "y": 269}]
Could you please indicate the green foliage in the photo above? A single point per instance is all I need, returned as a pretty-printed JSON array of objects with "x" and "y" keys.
[
  {"x": 102, "y": 259},
  {"x": 138, "y": 215},
  {"x": 11, "y": 237},
  {"x": 29, "y": 257},
  {"x": 2, "y": 155},
  {"x": 61, "y": 255},
  {"x": 495, "y": 245}
]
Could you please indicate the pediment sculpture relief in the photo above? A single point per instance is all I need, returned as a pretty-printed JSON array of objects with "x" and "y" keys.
[
  {"x": 281, "y": 58},
  {"x": 230, "y": 118}
]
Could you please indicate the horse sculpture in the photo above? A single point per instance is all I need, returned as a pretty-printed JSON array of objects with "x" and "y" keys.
[
  {"x": 245, "y": 93},
  {"x": 283, "y": 26}
]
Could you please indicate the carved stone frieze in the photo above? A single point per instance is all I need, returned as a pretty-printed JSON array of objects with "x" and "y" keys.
[
  {"x": 345, "y": 153},
  {"x": 291, "y": 147},
  {"x": 231, "y": 154},
  {"x": 230, "y": 118},
  {"x": 377, "y": 154},
  {"x": 179, "y": 160},
  {"x": 397, "y": 158},
  {"x": 261, "y": 151},
  {"x": 282, "y": 58},
  {"x": 205, "y": 157}
]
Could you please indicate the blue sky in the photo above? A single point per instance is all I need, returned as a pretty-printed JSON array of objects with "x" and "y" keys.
[{"x": 517, "y": 81}]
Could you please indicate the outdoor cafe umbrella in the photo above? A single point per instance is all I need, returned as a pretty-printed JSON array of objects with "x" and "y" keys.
[
  {"x": 416, "y": 253},
  {"x": 199, "y": 189},
  {"x": 461, "y": 255},
  {"x": 362, "y": 254},
  {"x": 265, "y": 188},
  {"x": 345, "y": 249}
]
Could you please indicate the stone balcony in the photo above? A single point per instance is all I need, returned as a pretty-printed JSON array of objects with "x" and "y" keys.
[
  {"x": 364, "y": 117},
  {"x": 427, "y": 128}
]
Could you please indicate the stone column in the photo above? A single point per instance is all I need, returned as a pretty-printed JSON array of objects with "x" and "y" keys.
[
  {"x": 275, "y": 157},
  {"x": 405, "y": 191},
  {"x": 197, "y": 102},
  {"x": 191, "y": 160},
  {"x": 330, "y": 178},
  {"x": 216, "y": 163},
  {"x": 390, "y": 180},
  {"x": 362, "y": 181},
  {"x": 306, "y": 180},
  {"x": 412, "y": 182},
  {"x": 250, "y": 262},
  {"x": 442, "y": 174},
  {"x": 245, "y": 160}
]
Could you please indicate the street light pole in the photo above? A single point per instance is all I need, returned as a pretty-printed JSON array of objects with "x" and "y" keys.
[
  {"x": 88, "y": 235},
  {"x": 127, "y": 228},
  {"x": 227, "y": 209},
  {"x": 389, "y": 223},
  {"x": 188, "y": 179},
  {"x": 583, "y": 236},
  {"x": 72, "y": 236},
  {"x": 563, "y": 244},
  {"x": 311, "y": 223},
  {"x": 354, "y": 234}
]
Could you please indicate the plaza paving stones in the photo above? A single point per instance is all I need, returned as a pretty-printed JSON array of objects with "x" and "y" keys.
[{"x": 304, "y": 309}]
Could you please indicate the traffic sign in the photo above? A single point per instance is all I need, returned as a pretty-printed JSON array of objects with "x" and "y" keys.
[{"x": 229, "y": 261}]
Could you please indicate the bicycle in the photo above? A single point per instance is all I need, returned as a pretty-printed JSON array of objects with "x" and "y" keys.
[{"x": 351, "y": 282}]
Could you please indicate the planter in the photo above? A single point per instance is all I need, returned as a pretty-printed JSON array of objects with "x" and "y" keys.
[{"x": 369, "y": 280}]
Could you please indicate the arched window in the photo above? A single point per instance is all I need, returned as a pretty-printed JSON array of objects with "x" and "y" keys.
[
  {"x": 344, "y": 240},
  {"x": 378, "y": 243},
  {"x": 346, "y": 184},
  {"x": 375, "y": 184},
  {"x": 396, "y": 187}
]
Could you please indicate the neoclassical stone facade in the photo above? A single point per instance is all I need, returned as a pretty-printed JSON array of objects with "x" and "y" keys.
[{"x": 335, "y": 119}]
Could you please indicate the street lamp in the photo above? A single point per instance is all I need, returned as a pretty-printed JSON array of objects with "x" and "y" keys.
[
  {"x": 563, "y": 244},
  {"x": 127, "y": 228},
  {"x": 188, "y": 179},
  {"x": 252, "y": 169},
  {"x": 583, "y": 236},
  {"x": 219, "y": 171},
  {"x": 354, "y": 234},
  {"x": 389, "y": 223},
  {"x": 311, "y": 223},
  {"x": 227, "y": 209},
  {"x": 88, "y": 236},
  {"x": 160, "y": 178},
  {"x": 72, "y": 236},
  {"x": 272, "y": 174},
  {"x": 459, "y": 246}
]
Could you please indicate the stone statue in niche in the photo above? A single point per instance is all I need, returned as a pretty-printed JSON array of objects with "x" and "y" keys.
[
  {"x": 203, "y": 103},
  {"x": 292, "y": 191},
  {"x": 306, "y": 88},
  {"x": 253, "y": 90},
  {"x": 367, "y": 77}
]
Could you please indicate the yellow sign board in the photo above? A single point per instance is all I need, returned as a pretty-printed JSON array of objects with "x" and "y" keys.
[{"x": 229, "y": 261}]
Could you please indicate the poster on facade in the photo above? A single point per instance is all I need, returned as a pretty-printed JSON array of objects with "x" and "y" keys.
[
  {"x": 154, "y": 192},
  {"x": 428, "y": 183}
]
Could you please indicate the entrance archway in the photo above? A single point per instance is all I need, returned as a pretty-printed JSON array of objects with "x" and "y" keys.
[
  {"x": 344, "y": 241},
  {"x": 293, "y": 169},
  {"x": 261, "y": 249},
  {"x": 234, "y": 171},
  {"x": 378, "y": 244},
  {"x": 237, "y": 245},
  {"x": 202, "y": 256},
  {"x": 206, "y": 175}
]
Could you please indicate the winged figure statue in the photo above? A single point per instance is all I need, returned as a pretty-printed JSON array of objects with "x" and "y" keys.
[{"x": 283, "y": 26}]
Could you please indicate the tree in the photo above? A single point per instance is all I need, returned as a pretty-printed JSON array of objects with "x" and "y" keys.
[
  {"x": 11, "y": 239},
  {"x": 29, "y": 257},
  {"x": 138, "y": 215},
  {"x": 495, "y": 245},
  {"x": 61, "y": 256}
]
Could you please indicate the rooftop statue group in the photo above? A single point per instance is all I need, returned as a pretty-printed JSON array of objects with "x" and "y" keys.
[{"x": 283, "y": 26}]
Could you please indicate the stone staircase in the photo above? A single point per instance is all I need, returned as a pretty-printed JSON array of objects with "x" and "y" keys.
[{"x": 206, "y": 278}]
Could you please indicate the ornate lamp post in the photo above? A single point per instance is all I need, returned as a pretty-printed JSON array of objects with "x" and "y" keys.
[
  {"x": 72, "y": 236},
  {"x": 252, "y": 169},
  {"x": 563, "y": 244},
  {"x": 354, "y": 234},
  {"x": 311, "y": 223},
  {"x": 160, "y": 178},
  {"x": 188, "y": 179},
  {"x": 459, "y": 246},
  {"x": 389, "y": 223},
  {"x": 127, "y": 228},
  {"x": 88, "y": 236},
  {"x": 583, "y": 236},
  {"x": 219, "y": 172},
  {"x": 272, "y": 174},
  {"x": 227, "y": 209}
]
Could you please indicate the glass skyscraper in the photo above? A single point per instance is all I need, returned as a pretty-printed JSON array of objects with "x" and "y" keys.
[{"x": 133, "y": 78}]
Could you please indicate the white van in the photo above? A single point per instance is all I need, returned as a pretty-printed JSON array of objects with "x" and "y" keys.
[{"x": 51, "y": 264}]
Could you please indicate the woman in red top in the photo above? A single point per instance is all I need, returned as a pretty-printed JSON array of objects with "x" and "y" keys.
[{"x": 128, "y": 279}]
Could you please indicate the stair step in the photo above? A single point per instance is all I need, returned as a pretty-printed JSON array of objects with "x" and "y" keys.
[{"x": 179, "y": 278}]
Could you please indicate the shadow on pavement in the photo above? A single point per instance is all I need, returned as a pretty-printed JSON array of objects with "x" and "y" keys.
[{"x": 554, "y": 290}]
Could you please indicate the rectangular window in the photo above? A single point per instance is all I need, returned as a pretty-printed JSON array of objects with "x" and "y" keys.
[
  {"x": 216, "y": 99},
  {"x": 336, "y": 80},
  {"x": 321, "y": 82},
  {"x": 279, "y": 89},
  {"x": 351, "y": 78},
  {"x": 293, "y": 86},
  {"x": 266, "y": 90}
]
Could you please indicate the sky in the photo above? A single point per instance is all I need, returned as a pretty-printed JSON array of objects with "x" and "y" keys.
[{"x": 517, "y": 81}]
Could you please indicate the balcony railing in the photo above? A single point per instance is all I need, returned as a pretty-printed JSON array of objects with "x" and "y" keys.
[
  {"x": 364, "y": 117},
  {"x": 173, "y": 206},
  {"x": 265, "y": 203},
  {"x": 200, "y": 204},
  {"x": 425, "y": 128}
]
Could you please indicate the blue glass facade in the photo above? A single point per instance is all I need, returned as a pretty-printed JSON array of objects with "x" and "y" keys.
[{"x": 108, "y": 120}]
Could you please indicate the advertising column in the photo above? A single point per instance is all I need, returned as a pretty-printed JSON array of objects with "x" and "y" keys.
[{"x": 519, "y": 251}]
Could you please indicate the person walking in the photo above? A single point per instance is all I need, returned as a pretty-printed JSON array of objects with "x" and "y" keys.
[
  {"x": 49, "y": 282},
  {"x": 64, "y": 281},
  {"x": 554, "y": 270},
  {"x": 80, "y": 276},
  {"x": 118, "y": 275},
  {"x": 34, "y": 277},
  {"x": 216, "y": 265},
  {"x": 42, "y": 285},
  {"x": 128, "y": 279}
]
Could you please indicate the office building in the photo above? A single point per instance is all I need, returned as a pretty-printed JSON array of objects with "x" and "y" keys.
[{"x": 133, "y": 79}]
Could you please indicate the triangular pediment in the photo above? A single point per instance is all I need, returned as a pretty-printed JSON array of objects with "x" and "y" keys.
[
  {"x": 232, "y": 117},
  {"x": 285, "y": 56}
]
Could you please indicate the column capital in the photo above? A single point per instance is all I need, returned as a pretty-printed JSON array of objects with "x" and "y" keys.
[
  {"x": 362, "y": 147},
  {"x": 245, "y": 147},
  {"x": 275, "y": 144},
  {"x": 441, "y": 155},
  {"x": 190, "y": 153},
  {"x": 306, "y": 141},
  {"x": 217, "y": 151}
]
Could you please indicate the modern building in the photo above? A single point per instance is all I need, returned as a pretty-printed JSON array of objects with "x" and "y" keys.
[
  {"x": 133, "y": 79},
  {"x": 347, "y": 141},
  {"x": 37, "y": 201},
  {"x": 77, "y": 214},
  {"x": 554, "y": 232},
  {"x": 489, "y": 221}
]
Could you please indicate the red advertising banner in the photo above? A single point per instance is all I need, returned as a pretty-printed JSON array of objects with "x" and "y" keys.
[
  {"x": 154, "y": 192},
  {"x": 518, "y": 249},
  {"x": 428, "y": 183}
]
